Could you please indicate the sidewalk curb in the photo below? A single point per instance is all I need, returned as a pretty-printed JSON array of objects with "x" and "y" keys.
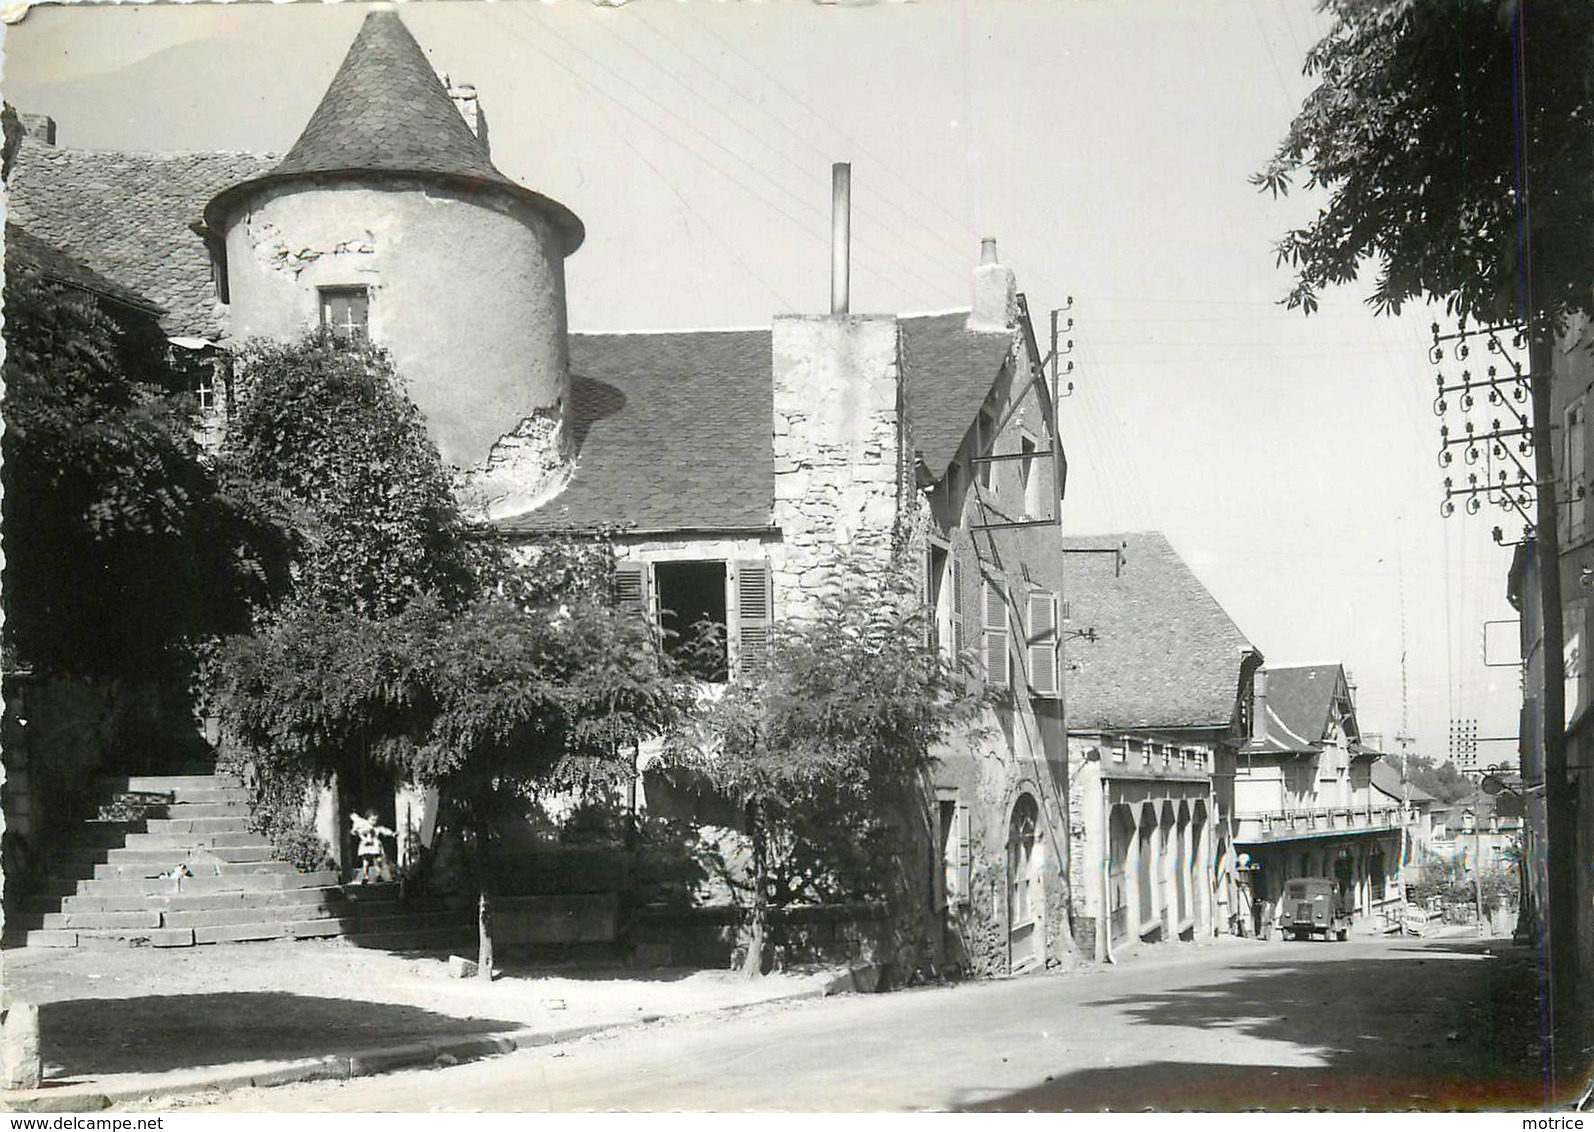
[{"x": 372, "y": 1061}]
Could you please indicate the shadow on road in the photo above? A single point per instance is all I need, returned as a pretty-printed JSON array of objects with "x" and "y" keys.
[
  {"x": 88, "y": 1037},
  {"x": 1427, "y": 1027},
  {"x": 1172, "y": 1086}
]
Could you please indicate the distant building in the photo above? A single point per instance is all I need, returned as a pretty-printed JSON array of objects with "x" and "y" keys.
[
  {"x": 1158, "y": 682},
  {"x": 1304, "y": 800}
]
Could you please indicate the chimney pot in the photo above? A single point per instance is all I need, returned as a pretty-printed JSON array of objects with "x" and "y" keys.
[
  {"x": 840, "y": 237},
  {"x": 995, "y": 292}
]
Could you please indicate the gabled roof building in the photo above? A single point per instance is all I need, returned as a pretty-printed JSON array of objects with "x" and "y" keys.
[
  {"x": 1305, "y": 804},
  {"x": 742, "y": 472},
  {"x": 1158, "y": 680}
]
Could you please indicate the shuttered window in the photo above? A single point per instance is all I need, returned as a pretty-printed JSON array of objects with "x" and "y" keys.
[
  {"x": 631, "y": 587},
  {"x": 754, "y": 614},
  {"x": 958, "y": 643},
  {"x": 1043, "y": 674},
  {"x": 958, "y": 860},
  {"x": 997, "y": 662}
]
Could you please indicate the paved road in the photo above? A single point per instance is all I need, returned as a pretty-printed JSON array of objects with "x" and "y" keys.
[{"x": 1373, "y": 1023}]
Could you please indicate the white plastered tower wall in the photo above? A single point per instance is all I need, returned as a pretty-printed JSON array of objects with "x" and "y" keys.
[
  {"x": 390, "y": 194},
  {"x": 467, "y": 295}
]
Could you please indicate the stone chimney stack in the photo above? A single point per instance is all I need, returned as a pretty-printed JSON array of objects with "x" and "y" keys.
[
  {"x": 470, "y": 109},
  {"x": 995, "y": 292},
  {"x": 40, "y": 127}
]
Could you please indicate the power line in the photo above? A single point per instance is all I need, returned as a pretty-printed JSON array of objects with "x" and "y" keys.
[
  {"x": 765, "y": 74},
  {"x": 822, "y": 232},
  {"x": 935, "y": 232}
]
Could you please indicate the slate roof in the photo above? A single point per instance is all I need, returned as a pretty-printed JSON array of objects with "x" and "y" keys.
[
  {"x": 1298, "y": 703},
  {"x": 387, "y": 113},
  {"x": 672, "y": 430},
  {"x": 1166, "y": 655},
  {"x": 949, "y": 369},
  {"x": 126, "y": 216},
  {"x": 1386, "y": 778},
  {"x": 23, "y": 249}
]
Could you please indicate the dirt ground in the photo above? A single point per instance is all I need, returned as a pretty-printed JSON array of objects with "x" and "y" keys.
[{"x": 142, "y": 1010}]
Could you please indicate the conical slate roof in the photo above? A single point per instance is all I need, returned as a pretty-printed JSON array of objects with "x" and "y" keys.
[{"x": 386, "y": 113}]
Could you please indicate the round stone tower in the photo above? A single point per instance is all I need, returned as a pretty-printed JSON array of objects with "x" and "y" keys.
[{"x": 387, "y": 219}]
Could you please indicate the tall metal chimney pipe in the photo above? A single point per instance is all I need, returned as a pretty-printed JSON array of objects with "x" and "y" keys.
[{"x": 840, "y": 236}]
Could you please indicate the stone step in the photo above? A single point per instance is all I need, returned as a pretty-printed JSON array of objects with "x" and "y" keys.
[
  {"x": 423, "y": 930},
  {"x": 98, "y": 833},
  {"x": 199, "y": 858},
  {"x": 231, "y": 901},
  {"x": 228, "y": 881},
  {"x": 187, "y": 824},
  {"x": 168, "y": 842},
  {"x": 158, "y": 868},
  {"x": 72, "y": 921},
  {"x": 214, "y": 794},
  {"x": 415, "y": 939},
  {"x": 182, "y": 810},
  {"x": 111, "y": 937},
  {"x": 168, "y": 783},
  {"x": 281, "y": 913}
]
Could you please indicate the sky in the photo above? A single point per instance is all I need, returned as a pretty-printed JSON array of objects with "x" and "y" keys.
[{"x": 1105, "y": 144}]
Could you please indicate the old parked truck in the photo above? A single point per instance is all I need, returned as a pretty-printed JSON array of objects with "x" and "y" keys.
[{"x": 1314, "y": 905}]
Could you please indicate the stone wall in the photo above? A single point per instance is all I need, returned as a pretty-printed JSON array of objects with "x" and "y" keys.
[{"x": 838, "y": 450}]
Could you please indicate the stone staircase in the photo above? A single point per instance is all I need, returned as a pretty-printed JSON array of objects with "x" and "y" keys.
[{"x": 172, "y": 862}]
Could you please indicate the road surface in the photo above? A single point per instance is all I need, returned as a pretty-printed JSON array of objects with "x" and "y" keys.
[{"x": 1380, "y": 1024}]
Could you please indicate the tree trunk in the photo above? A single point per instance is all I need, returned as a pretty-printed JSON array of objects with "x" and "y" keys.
[
  {"x": 484, "y": 899},
  {"x": 753, "y": 961}
]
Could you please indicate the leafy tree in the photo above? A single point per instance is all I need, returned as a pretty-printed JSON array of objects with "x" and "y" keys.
[
  {"x": 1429, "y": 123},
  {"x": 122, "y": 545},
  {"x": 1442, "y": 780},
  {"x": 409, "y": 640},
  {"x": 326, "y": 439},
  {"x": 835, "y": 732},
  {"x": 1454, "y": 140}
]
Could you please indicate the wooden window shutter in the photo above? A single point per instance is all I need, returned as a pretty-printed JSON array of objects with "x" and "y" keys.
[
  {"x": 957, "y": 610},
  {"x": 1043, "y": 674},
  {"x": 755, "y": 602},
  {"x": 996, "y": 654},
  {"x": 963, "y": 875},
  {"x": 631, "y": 587}
]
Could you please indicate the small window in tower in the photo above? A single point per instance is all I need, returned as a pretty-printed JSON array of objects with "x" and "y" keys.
[{"x": 345, "y": 313}]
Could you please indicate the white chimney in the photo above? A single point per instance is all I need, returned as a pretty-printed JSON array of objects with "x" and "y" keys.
[{"x": 995, "y": 292}]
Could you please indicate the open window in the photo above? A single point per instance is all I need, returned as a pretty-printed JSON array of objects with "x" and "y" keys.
[
  {"x": 714, "y": 617},
  {"x": 692, "y": 615},
  {"x": 985, "y": 445},
  {"x": 1029, "y": 478}
]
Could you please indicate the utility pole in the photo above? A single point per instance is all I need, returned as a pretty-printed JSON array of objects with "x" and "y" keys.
[{"x": 1403, "y": 740}]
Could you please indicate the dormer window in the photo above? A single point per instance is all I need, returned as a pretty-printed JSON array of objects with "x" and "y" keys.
[{"x": 346, "y": 313}]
